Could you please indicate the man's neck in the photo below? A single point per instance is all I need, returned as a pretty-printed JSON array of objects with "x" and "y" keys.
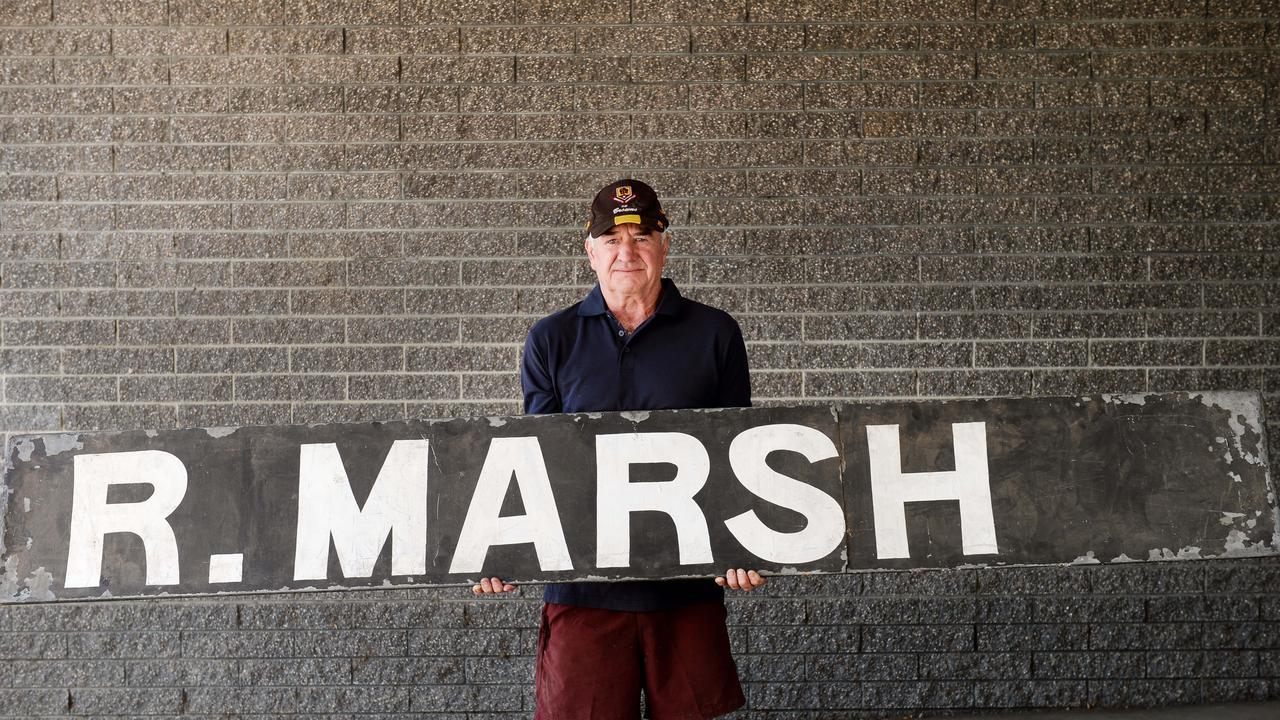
[{"x": 632, "y": 310}]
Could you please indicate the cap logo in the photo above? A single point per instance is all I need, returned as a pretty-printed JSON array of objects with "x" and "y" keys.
[{"x": 623, "y": 194}]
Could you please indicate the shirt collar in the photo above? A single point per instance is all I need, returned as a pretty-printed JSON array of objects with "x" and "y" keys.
[{"x": 668, "y": 304}]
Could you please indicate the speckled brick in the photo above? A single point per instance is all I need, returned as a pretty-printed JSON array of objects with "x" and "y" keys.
[
  {"x": 233, "y": 699},
  {"x": 234, "y": 644},
  {"x": 231, "y": 359},
  {"x": 860, "y": 610},
  {"x": 161, "y": 389},
  {"x": 820, "y": 384},
  {"x": 1031, "y": 354},
  {"x": 1034, "y": 694},
  {"x": 1144, "y": 693},
  {"x": 233, "y": 415},
  {"x": 1084, "y": 382},
  {"x": 917, "y": 694},
  {"x": 58, "y": 332},
  {"x": 1055, "y": 664},
  {"x": 115, "y": 645},
  {"x": 58, "y": 389},
  {"x": 1245, "y": 635},
  {"x": 800, "y": 639},
  {"x": 410, "y": 387},
  {"x": 304, "y": 615},
  {"x": 348, "y": 412},
  {"x": 1242, "y": 352},
  {"x": 530, "y": 39},
  {"x": 353, "y": 699},
  {"x": 381, "y": 671},
  {"x": 168, "y": 672},
  {"x": 108, "y": 12},
  {"x": 466, "y": 642},
  {"x": 97, "y": 418},
  {"x": 28, "y": 361},
  {"x": 234, "y": 12},
  {"x": 1082, "y": 609},
  {"x": 156, "y": 331},
  {"x": 118, "y": 303},
  {"x": 141, "y": 701},
  {"x": 28, "y": 303},
  {"x": 204, "y": 302},
  {"x": 81, "y": 673},
  {"x": 975, "y": 666},
  {"x": 781, "y": 695},
  {"x": 1034, "y": 637},
  {"x": 35, "y": 646}
]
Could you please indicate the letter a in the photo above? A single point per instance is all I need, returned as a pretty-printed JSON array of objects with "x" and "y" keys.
[
  {"x": 969, "y": 483},
  {"x": 519, "y": 457}
]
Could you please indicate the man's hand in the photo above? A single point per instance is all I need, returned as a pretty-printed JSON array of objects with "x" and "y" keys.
[
  {"x": 744, "y": 580},
  {"x": 492, "y": 585}
]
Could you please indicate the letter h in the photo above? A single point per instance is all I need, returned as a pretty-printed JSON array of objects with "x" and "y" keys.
[{"x": 969, "y": 483}]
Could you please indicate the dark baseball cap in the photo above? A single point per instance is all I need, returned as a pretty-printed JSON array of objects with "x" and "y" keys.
[{"x": 625, "y": 201}]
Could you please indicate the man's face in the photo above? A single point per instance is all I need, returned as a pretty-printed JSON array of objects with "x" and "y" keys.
[{"x": 628, "y": 259}]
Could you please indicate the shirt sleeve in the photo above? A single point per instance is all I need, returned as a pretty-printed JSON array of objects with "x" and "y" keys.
[
  {"x": 735, "y": 377},
  {"x": 536, "y": 379}
]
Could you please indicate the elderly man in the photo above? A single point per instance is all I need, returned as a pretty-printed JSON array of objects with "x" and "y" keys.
[{"x": 634, "y": 344}]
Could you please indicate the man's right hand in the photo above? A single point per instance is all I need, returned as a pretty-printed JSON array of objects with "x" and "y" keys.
[{"x": 492, "y": 585}]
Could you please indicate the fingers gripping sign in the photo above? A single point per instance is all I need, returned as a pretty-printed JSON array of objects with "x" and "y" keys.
[
  {"x": 739, "y": 579},
  {"x": 492, "y": 585}
]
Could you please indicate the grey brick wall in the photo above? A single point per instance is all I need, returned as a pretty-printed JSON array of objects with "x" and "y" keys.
[{"x": 287, "y": 211}]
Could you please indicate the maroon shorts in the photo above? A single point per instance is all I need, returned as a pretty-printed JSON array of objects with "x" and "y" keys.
[{"x": 593, "y": 663}]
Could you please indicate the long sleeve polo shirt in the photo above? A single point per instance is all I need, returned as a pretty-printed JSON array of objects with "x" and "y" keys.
[{"x": 685, "y": 355}]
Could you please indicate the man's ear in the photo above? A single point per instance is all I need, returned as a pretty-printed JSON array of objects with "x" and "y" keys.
[{"x": 586, "y": 245}]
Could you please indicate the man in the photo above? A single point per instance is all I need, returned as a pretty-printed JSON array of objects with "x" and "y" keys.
[{"x": 634, "y": 344}]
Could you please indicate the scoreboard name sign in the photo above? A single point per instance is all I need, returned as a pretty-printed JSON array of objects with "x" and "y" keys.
[{"x": 664, "y": 494}]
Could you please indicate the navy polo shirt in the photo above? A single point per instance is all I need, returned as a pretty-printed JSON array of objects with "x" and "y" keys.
[{"x": 686, "y": 355}]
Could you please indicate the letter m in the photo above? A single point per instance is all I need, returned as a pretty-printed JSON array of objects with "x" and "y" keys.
[{"x": 397, "y": 506}]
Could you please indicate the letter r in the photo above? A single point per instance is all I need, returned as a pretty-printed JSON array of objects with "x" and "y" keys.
[{"x": 92, "y": 518}]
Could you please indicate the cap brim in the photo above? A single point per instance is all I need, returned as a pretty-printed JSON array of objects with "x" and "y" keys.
[{"x": 605, "y": 224}]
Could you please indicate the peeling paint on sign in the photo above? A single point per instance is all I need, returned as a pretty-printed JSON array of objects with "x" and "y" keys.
[{"x": 60, "y": 443}]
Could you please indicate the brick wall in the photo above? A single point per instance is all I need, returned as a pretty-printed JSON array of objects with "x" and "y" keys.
[{"x": 286, "y": 211}]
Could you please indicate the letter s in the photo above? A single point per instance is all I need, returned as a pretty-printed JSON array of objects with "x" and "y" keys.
[{"x": 825, "y": 528}]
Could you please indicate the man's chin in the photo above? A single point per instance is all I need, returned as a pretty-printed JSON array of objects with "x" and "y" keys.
[{"x": 630, "y": 281}]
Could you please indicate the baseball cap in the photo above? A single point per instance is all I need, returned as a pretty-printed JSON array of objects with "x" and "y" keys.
[{"x": 625, "y": 201}]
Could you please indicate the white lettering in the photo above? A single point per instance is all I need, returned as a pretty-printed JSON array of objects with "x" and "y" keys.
[
  {"x": 397, "y": 506},
  {"x": 92, "y": 518},
  {"x": 824, "y": 530},
  {"x": 227, "y": 568},
  {"x": 521, "y": 458},
  {"x": 968, "y": 483},
  {"x": 617, "y": 497}
]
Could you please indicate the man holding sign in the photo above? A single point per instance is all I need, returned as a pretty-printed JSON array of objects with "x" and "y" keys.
[{"x": 634, "y": 344}]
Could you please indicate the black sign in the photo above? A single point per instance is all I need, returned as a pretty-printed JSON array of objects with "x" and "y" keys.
[{"x": 636, "y": 495}]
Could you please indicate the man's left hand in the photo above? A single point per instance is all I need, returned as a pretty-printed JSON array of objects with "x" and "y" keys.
[{"x": 744, "y": 580}]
